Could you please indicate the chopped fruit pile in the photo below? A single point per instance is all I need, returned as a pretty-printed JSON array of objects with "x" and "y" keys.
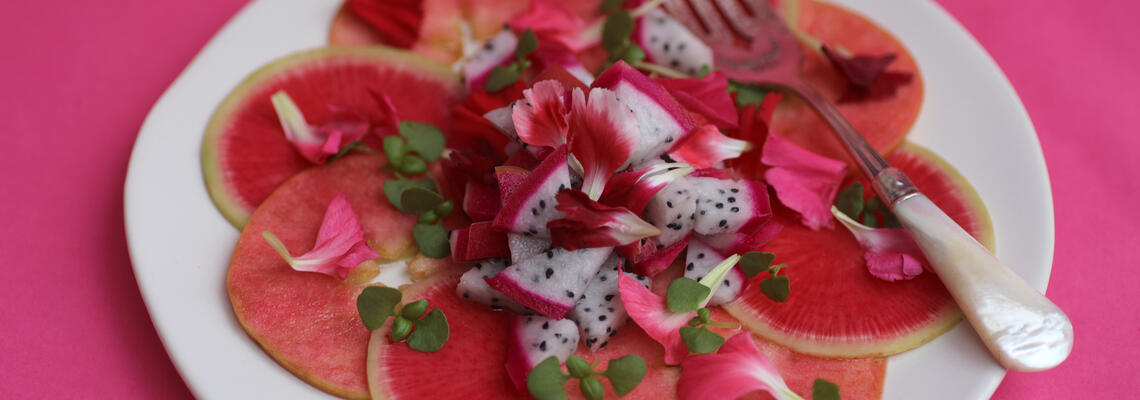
[{"x": 594, "y": 210}]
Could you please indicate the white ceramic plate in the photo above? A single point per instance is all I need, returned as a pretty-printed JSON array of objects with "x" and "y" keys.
[{"x": 180, "y": 246}]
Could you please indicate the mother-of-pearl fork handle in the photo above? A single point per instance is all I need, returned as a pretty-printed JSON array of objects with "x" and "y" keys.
[{"x": 1022, "y": 329}]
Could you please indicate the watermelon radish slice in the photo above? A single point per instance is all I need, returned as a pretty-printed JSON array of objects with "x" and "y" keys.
[
  {"x": 308, "y": 322},
  {"x": 245, "y": 155},
  {"x": 476, "y": 355},
  {"x": 884, "y": 123},
  {"x": 836, "y": 308}
]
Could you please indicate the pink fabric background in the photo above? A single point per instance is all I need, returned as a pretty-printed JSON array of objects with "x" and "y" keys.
[{"x": 77, "y": 78}]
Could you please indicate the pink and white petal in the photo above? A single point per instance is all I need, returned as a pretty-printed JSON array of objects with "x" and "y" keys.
[
  {"x": 738, "y": 368},
  {"x": 340, "y": 243},
  {"x": 588, "y": 223},
  {"x": 649, "y": 312},
  {"x": 891, "y": 253},
  {"x": 540, "y": 120},
  {"x": 297, "y": 130},
  {"x": 892, "y": 267},
  {"x": 707, "y": 146},
  {"x": 804, "y": 181},
  {"x": 551, "y": 22},
  {"x": 603, "y": 133}
]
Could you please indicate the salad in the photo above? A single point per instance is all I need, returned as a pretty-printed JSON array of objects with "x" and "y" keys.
[{"x": 586, "y": 206}]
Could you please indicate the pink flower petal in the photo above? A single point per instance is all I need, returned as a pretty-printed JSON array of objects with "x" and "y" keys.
[
  {"x": 603, "y": 133},
  {"x": 551, "y": 23},
  {"x": 706, "y": 147},
  {"x": 541, "y": 119},
  {"x": 590, "y": 224},
  {"x": 340, "y": 244},
  {"x": 634, "y": 189},
  {"x": 649, "y": 312},
  {"x": 892, "y": 253},
  {"x": 389, "y": 124},
  {"x": 706, "y": 96},
  {"x": 316, "y": 143},
  {"x": 804, "y": 181},
  {"x": 738, "y": 368}
]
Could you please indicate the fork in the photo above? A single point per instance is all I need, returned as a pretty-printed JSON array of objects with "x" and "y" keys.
[{"x": 1022, "y": 329}]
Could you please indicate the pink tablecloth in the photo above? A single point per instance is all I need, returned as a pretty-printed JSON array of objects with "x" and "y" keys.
[{"x": 77, "y": 78}]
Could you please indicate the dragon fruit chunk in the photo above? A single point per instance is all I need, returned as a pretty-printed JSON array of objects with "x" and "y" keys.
[
  {"x": 600, "y": 312},
  {"x": 499, "y": 50},
  {"x": 523, "y": 247},
  {"x": 700, "y": 259},
  {"x": 551, "y": 282},
  {"x": 472, "y": 287},
  {"x": 729, "y": 206},
  {"x": 477, "y": 242},
  {"x": 657, "y": 259},
  {"x": 674, "y": 211},
  {"x": 531, "y": 206},
  {"x": 745, "y": 240},
  {"x": 480, "y": 201},
  {"x": 661, "y": 119},
  {"x": 634, "y": 189},
  {"x": 535, "y": 338},
  {"x": 668, "y": 43}
]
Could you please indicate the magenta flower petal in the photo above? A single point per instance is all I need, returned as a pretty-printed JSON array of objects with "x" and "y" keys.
[
  {"x": 706, "y": 147},
  {"x": 649, "y": 312},
  {"x": 892, "y": 253},
  {"x": 706, "y": 96},
  {"x": 540, "y": 120},
  {"x": 590, "y": 224},
  {"x": 804, "y": 181},
  {"x": 737, "y": 369},
  {"x": 634, "y": 189},
  {"x": 551, "y": 22},
  {"x": 315, "y": 143},
  {"x": 603, "y": 133},
  {"x": 340, "y": 244}
]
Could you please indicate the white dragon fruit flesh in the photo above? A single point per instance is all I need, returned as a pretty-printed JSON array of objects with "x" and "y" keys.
[
  {"x": 499, "y": 50},
  {"x": 551, "y": 282},
  {"x": 474, "y": 288},
  {"x": 666, "y": 42},
  {"x": 523, "y": 247},
  {"x": 600, "y": 312},
  {"x": 534, "y": 338},
  {"x": 531, "y": 205},
  {"x": 725, "y": 205},
  {"x": 660, "y": 118},
  {"x": 700, "y": 259},
  {"x": 673, "y": 210}
]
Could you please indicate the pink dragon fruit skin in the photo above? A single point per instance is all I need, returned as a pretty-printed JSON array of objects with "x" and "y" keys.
[
  {"x": 730, "y": 206},
  {"x": 551, "y": 282},
  {"x": 531, "y": 206},
  {"x": 472, "y": 287},
  {"x": 667, "y": 43},
  {"x": 700, "y": 259},
  {"x": 661, "y": 119},
  {"x": 600, "y": 312},
  {"x": 499, "y": 50},
  {"x": 673, "y": 210},
  {"x": 534, "y": 338}
]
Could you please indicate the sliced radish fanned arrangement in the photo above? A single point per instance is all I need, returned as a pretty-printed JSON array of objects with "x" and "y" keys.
[{"x": 593, "y": 209}]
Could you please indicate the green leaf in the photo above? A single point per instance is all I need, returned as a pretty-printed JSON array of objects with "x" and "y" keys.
[
  {"x": 755, "y": 262},
  {"x": 850, "y": 200},
  {"x": 633, "y": 54},
  {"x": 609, "y": 5},
  {"x": 546, "y": 380},
  {"x": 705, "y": 71},
  {"x": 444, "y": 209},
  {"x": 416, "y": 200},
  {"x": 616, "y": 31},
  {"x": 428, "y": 217},
  {"x": 592, "y": 388},
  {"x": 394, "y": 190},
  {"x": 412, "y": 164},
  {"x": 501, "y": 77},
  {"x": 747, "y": 94},
  {"x": 394, "y": 149},
  {"x": 423, "y": 138},
  {"x": 890, "y": 221},
  {"x": 776, "y": 288},
  {"x": 875, "y": 204},
  {"x": 824, "y": 390},
  {"x": 375, "y": 304},
  {"x": 703, "y": 315},
  {"x": 432, "y": 240},
  {"x": 870, "y": 220},
  {"x": 431, "y": 332},
  {"x": 578, "y": 367},
  {"x": 401, "y": 328},
  {"x": 625, "y": 373},
  {"x": 685, "y": 294},
  {"x": 415, "y": 309},
  {"x": 701, "y": 340},
  {"x": 528, "y": 42}
]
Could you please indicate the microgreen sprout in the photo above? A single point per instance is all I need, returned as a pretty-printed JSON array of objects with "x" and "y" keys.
[
  {"x": 425, "y": 333},
  {"x": 546, "y": 381},
  {"x": 504, "y": 75},
  {"x": 409, "y": 153}
]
